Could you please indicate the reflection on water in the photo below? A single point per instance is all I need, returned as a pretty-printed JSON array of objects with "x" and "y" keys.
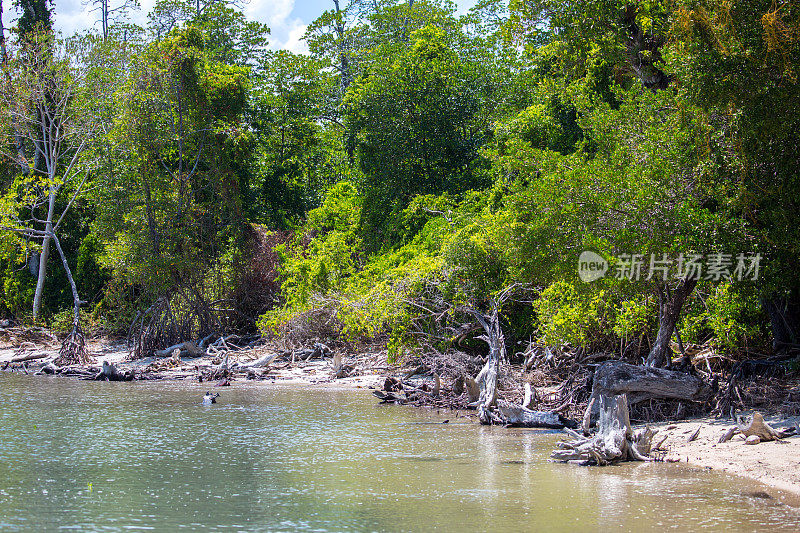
[{"x": 135, "y": 456}]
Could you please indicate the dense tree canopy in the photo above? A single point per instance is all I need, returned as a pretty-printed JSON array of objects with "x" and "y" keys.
[{"x": 416, "y": 159}]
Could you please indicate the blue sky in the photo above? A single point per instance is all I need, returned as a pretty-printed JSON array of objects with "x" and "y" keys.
[{"x": 286, "y": 18}]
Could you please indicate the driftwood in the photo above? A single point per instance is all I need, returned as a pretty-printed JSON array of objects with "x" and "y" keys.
[
  {"x": 728, "y": 435},
  {"x": 49, "y": 368},
  {"x": 110, "y": 372},
  {"x": 512, "y": 415},
  {"x": 340, "y": 368},
  {"x": 29, "y": 357},
  {"x": 530, "y": 397},
  {"x": 487, "y": 377},
  {"x": 614, "y": 441},
  {"x": 641, "y": 383},
  {"x": 755, "y": 425},
  {"x": 395, "y": 391},
  {"x": 261, "y": 362},
  {"x": 319, "y": 351},
  {"x": 398, "y": 397},
  {"x": 187, "y": 349}
]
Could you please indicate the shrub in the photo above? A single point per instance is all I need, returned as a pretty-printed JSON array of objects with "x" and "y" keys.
[{"x": 566, "y": 316}]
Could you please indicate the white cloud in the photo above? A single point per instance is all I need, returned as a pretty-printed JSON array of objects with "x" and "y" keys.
[
  {"x": 295, "y": 42},
  {"x": 286, "y": 31}
]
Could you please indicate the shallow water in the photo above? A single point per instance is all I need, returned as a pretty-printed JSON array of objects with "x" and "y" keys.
[{"x": 88, "y": 456}]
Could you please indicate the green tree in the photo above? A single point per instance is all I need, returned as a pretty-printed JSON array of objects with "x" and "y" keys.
[
  {"x": 417, "y": 121},
  {"x": 737, "y": 61},
  {"x": 181, "y": 143}
]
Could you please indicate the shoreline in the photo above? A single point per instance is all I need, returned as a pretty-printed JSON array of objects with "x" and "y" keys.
[{"x": 774, "y": 464}]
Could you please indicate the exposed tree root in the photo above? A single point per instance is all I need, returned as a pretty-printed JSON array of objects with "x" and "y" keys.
[
  {"x": 73, "y": 349},
  {"x": 614, "y": 441}
]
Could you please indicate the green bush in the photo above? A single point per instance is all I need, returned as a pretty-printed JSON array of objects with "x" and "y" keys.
[
  {"x": 566, "y": 316},
  {"x": 734, "y": 317}
]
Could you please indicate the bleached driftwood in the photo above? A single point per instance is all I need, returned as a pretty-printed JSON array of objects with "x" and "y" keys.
[
  {"x": 641, "y": 383},
  {"x": 614, "y": 441},
  {"x": 509, "y": 414},
  {"x": 29, "y": 357},
  {"x": 530, "y": 397},
  {"x": 110, "y": 372},
  {"x": 487, "y": 377},
  {"x": 187, "y": 349},
  {"x": 261, "y": 362},
  {"x": 340, "y": 368},
  {"x": 755, "y": 425}
]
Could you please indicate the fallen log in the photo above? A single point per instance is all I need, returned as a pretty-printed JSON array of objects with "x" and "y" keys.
[
  {"x": 319, "y": 351},
  {"x": 512, "y": 415},
  {"x": 29, "y": 357},
  {"x": 187, "y": 349},
  {"x": 261, "y": 362},
  {"x": 728, "y": 435},
  {"x": 614, "y": 441},
  {"x": 390, "y": 397},
  {"x": 641, "y": 383},
  {"x": 50, "y": 368}
]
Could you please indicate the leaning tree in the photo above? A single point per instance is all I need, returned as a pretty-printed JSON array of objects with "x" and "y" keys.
[{"x": 47, "y": 125}]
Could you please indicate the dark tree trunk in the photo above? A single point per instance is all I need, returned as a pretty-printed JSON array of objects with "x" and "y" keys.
[
  {"x": 644, "y": 52},
  {"x": 784, "y": 317},
  {"x": 669, "y": 313}
]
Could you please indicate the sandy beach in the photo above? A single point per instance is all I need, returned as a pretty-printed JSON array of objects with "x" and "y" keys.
[{"x": 775, "y": 463}]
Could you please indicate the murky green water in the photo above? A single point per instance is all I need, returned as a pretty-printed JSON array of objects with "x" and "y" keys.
[{"x": 91, "y": 456}]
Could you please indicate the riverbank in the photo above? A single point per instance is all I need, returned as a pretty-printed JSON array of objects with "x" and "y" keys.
[
  {"x": 776, "y": 464},
  {"x": 362, "y": 370}
]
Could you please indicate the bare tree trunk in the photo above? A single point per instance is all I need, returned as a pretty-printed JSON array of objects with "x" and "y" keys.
[
  {"x": 487, "y": 377},
  {"x": 3, "y": 52},
  {"x": 105, "y": 11},
  {"x": 344, "y": 62},
  {"x": 3, "y": 60},
  {"x": 670, "y": 311},
  {"x": 37, "y": 298},
  {"x": 73, "y": 349},
  {"x": 403, "y": 36}
]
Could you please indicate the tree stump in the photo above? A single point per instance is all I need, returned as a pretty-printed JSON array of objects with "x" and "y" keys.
[
  {"x": 755, "y": 425},
  {"x": 614, "y": 441}
]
